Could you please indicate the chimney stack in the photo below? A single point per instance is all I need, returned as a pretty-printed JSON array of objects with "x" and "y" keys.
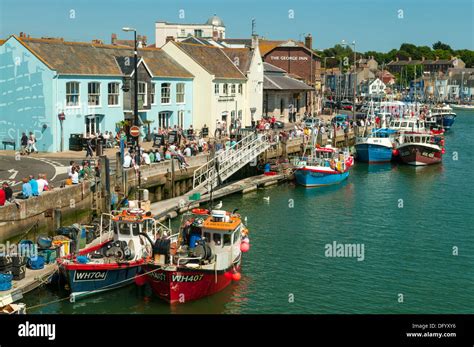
[
  {"x": 308, "y": 41},
  {"x": 113, "y": 40}
]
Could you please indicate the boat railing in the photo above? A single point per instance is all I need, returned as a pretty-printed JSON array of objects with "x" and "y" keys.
[{"x": 109, "y": 233}]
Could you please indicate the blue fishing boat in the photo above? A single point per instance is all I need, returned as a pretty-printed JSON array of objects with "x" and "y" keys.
[
  {"x": 377, "y": 147},
  {"x": 444, "y": 115},
  {"x": 325, "y": 166},
  {"x": 117, "y": 256}
]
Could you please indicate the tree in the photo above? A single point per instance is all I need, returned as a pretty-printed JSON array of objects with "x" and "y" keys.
[
  {"x": 443, "y": 46},
  {"x": 466, "y": 55}
]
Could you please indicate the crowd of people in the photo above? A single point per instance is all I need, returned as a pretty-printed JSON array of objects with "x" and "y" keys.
[
  {"x": 31, "y": 187},
  {"x": 86, "y": 171}
]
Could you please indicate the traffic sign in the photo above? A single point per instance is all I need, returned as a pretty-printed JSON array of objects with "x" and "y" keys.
[{"x": 135, "y": 131}]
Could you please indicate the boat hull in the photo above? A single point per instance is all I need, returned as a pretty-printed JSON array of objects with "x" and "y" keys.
[
  {"x": 85, "y": 280},
  {"x": 448, "y": 121},
  {"x": 370, "y": 153},
  {"x": 418, "y": 155},
  {"x": 309, "y": 178},
  {"x": 184, "y": 285}
]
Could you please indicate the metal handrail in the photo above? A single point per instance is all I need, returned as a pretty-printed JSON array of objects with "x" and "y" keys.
[{"x": 244, "y": 151}]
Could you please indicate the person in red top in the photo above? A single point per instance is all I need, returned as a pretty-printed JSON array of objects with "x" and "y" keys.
[
  {"x": 2, "y": 197},
  {"x": 272, "y": 122}
]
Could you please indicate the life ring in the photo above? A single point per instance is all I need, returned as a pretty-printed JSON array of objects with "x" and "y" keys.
[{"x": 200, "y": 211}]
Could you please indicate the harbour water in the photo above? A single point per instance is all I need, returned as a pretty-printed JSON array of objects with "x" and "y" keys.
[{"x": 411, "y": 222}]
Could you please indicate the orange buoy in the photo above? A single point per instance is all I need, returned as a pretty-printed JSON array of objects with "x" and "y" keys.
[
  {"x": 228, "y": 275},
  {"x": 236, "y": 276},
  {"x": 395, "y": 152}
]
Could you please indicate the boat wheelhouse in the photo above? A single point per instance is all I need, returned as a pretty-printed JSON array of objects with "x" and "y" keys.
[{"x": 200, "y": 260}]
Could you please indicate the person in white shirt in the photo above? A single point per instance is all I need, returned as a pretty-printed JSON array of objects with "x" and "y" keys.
[
  {"x": 74, "y": 175},
  {"x": 128, "y": 161},
  {"x": 42, "y": 183},
  {"x": 187, "y": 151},
  {"x": 146, "y": 158}
]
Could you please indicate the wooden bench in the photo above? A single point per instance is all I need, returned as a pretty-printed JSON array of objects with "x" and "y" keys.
[{"x": 9, "y": 142}]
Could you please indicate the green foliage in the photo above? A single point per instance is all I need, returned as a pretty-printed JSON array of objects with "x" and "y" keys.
[{"x": 442, "y": 46}]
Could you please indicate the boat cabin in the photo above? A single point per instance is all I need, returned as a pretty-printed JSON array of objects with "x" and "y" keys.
[
  {"x": 407, "y": 124},
  {"x": 218, "y": 229}
]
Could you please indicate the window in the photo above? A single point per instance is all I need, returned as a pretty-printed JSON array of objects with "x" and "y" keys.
[
  {"x": 180, "y": 93},
  {"x": 152, "y": 94},
  {"x": 226, "y": 88},
  {"x": 93, "y": 93},
  {"x": 181, "y": 118},
  {"x": 72, "y": 94},
  {"x": 198, "y": 33},
  {"x": 232, "y": 90},
  {"x": 165, "y": 93},
  {"x": 135, "y": 229},
  {"x": 227, "y": 240},
  {"x": 236, "y": 236},
  {"x": 142, "y": 97},
  {"x": 217, "y": 239},
  {"x": 124, "y": 228},
  {"x": 163, "y": 119},
  {"x": 216, "y": 88},
  {"x": 207, "y": 236},
  {"x": 113, "y": 94},
  {"x": 183, "y": 32},
  {"x": 240, "y": 88}
]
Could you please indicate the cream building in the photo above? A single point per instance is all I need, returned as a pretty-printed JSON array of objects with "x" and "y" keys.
[
  {"x": 213, "y": 28},
  {"x": 219, "y": 87}
]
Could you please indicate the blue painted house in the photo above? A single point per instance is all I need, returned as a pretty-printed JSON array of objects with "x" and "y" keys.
[{"x": 43, "y": 78}]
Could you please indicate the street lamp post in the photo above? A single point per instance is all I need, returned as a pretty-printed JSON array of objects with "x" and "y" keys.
[
  {"x": 136, "y": 122},
  {"x": 355, "y": 75},
  {"x": 325, "y": 58}
]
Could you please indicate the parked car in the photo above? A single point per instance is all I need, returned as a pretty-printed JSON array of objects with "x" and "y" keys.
[
  {"x": 279, "y": 124},
  {"x": 346, "y": 105},
  {"x": 339, "y": 119},
  {"x": 312, "y": 122}
]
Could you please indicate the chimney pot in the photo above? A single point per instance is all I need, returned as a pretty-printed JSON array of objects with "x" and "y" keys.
[
  {"x": 308, "y": 41},
  {"x": 113, "y": 38}
]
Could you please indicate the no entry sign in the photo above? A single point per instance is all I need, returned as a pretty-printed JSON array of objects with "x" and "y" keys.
[{"x": 134, "y": 131}]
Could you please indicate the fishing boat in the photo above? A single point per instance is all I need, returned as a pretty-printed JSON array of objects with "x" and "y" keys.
[
  {"x": 324, "y": 166},
  {"x": 116, "y": 257},
  {"x": 203, "y": 258},
  {"x": 421, "y": 148},
  {"x": 444, "y": 115},
  {"x": 377, "y": 147}
]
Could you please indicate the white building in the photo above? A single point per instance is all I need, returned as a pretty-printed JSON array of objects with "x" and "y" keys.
[
  {"x": 219, "y": 87},
  {"x": 372, "y": 88},
  {"x": 214, "y": 28}
]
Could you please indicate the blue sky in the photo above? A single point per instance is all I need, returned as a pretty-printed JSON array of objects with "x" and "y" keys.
[{"x": 373, "y": 24}]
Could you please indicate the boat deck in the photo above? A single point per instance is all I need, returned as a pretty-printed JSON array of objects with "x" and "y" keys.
[{"x": 33, "y": 279}]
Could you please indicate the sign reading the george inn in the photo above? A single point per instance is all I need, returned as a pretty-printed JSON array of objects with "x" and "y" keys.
[{"x": 285, "y": 57}]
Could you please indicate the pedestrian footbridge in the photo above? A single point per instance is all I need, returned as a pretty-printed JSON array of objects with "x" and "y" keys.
[{"x": 229, "y": 161}]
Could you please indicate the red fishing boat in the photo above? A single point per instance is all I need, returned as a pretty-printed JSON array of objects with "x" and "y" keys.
[
  {"x": 421, "y": 148},
  {"x": 201, "y": 259}
]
